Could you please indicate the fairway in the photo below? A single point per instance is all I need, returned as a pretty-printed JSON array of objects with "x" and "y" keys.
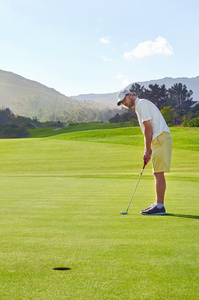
[{"x": 61, "y": 197}]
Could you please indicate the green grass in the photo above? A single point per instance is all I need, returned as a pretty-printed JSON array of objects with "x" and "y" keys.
[
  {"x": 60, "y": 203},
  {"x": 45, "y": 132}
]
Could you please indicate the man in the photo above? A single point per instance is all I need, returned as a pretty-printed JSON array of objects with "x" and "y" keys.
[{"x": 158, "y": 144}]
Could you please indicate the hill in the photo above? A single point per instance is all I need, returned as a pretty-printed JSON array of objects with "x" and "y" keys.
[
  {"x": 32, "y": 99},
  {"x": 110, "y": 98}
]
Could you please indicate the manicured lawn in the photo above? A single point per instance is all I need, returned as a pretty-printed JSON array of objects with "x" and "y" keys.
[
  {"x": 45, "y": 132},
  {"x": 60, "y": 203}
]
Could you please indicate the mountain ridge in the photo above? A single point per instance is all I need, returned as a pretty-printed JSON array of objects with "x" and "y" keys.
[
  {"x": 110, "y": 98},
  {"x": 30, "y": 98}
]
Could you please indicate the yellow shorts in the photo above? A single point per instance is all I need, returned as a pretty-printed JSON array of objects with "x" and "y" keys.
[{"x": 161, "y": 152}]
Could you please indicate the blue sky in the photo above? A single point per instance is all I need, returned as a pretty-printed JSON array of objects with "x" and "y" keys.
[{"x": 98, "y": 46}]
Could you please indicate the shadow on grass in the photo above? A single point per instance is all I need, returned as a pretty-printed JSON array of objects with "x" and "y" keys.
[
  {"x": 61, "y": 269},
  {"x": 183, "y": 216}
]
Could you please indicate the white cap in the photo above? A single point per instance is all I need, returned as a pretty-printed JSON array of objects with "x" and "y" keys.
[{"x": 121, "y": 95}]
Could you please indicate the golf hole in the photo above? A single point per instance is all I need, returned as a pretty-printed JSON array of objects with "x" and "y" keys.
[{"x": 61, "y": 269}]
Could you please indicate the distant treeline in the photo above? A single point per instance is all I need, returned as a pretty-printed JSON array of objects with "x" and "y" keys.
[
  {"x": 175, "y": 103},
  {"x": 80, "y": 115},
  {"x": 12, "y": 131},
  {"x": 46, "y": 108},
  {"x": 12, "y": 126}
]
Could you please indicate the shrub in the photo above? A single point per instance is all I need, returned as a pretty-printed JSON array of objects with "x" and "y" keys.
[
  {"x": 12, "y": 131},
  {"x": 193, "y": 122}
]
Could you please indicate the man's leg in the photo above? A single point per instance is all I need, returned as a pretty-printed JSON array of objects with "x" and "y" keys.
[
  {"x": 160, "y": 187},
  {"x": 158, "y": 207}
]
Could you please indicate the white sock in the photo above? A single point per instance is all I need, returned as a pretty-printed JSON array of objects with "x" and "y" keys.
[{"x": 159, "y": 205}]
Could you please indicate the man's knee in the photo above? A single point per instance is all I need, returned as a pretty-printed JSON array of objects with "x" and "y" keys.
[{"x": 159, "y": 176}]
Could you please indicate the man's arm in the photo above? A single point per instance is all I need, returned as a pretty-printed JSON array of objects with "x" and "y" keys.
[{"x": 148, "y": 132}]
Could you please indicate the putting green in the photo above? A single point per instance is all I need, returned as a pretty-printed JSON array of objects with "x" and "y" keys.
[{"x": 60, "y": 203}]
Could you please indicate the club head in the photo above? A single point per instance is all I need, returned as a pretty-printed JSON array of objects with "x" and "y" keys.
[{"x": 123, "y": 212}]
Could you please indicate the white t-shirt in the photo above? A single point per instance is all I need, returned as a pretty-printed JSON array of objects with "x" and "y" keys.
[{"x": 146, "y": 111}]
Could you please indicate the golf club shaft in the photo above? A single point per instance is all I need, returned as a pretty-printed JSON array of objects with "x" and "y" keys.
[{"x": 135, "y": 188}]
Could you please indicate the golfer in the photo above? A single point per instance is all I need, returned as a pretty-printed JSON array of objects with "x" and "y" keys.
[{"x": 158, "y": 144}]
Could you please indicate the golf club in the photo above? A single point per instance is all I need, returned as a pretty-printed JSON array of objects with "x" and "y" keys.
[{"x": 126, "y": 212}]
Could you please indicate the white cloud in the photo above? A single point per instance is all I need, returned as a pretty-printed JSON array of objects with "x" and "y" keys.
[
  {"x": 106, "y": 58},
  {"x": 105, "y": 40},
  {"x": 149, "y": 48},
  {"x": 123, "y": 79},
  {"x": 120, "y": 76},
  {"x": 125, "y": 82}
]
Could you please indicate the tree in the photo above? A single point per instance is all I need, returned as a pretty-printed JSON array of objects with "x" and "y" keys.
[
  {"x": 185, "y": 120},
  {"x": 6, "y": 116},
  {"x": 138, "y": 90},
  {"x": 157, "y": 94},
  {"x": 180, "y": 98},
  {"x": 12, "y": 131},
  {"x": 194, "y": 122},
  {"x": 194, "y": 111},
  {"x": 168, "y": 114},
  {"x": 115, "y": 119}
]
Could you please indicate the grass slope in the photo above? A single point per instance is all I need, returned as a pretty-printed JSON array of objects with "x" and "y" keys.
[
  {"x": 60, "y": 203},
  {"x": 46, "y": 132}
]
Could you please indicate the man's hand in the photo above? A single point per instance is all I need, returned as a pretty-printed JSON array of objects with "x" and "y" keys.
[{"x": 147, "y": 156}]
